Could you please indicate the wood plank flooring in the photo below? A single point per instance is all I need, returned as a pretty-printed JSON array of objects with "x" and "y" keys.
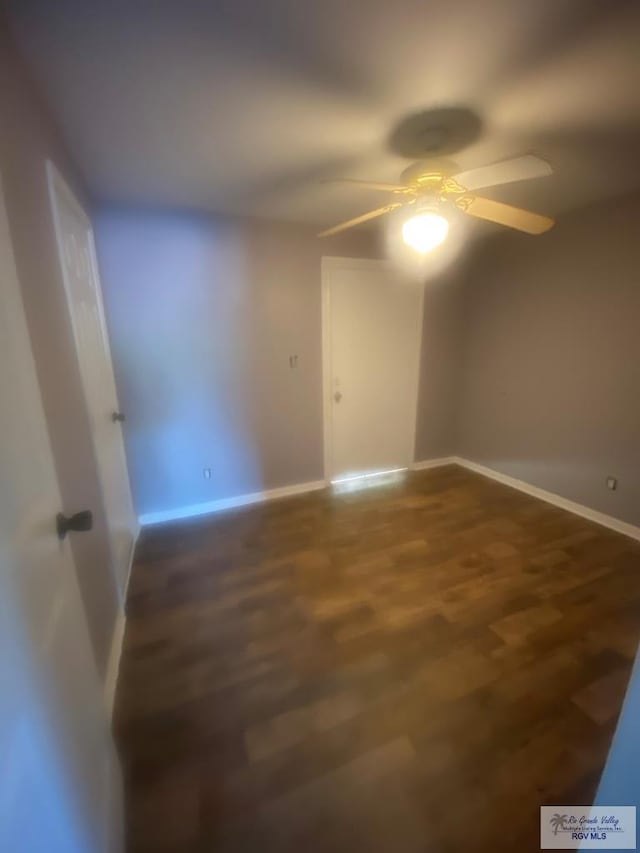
[{"x": 412, "y": 667}]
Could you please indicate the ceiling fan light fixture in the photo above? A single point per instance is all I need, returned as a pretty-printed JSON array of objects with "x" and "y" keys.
[
  {"x": 430, "y": 185},
  {"x": 425, "y": 231}
]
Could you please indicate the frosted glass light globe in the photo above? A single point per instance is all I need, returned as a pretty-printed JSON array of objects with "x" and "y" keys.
[{"x": 425, "y": 231}]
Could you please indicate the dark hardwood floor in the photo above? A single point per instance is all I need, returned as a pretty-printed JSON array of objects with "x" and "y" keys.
[{"x": 413, "y": 667}]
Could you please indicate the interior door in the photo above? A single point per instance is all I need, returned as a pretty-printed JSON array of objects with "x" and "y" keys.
[
  {"x": 372, "y": 323},
  {"x": 82, "y": 284},
  {"x": 58, "y": 772}
]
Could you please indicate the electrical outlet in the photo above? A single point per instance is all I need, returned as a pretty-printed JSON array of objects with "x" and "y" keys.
[
  {"x": 612, "y": 483},
  {"x": 206, "y": 473}
]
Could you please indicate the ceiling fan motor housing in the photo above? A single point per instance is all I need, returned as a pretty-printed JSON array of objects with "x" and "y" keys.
[{"x": 425, "y": 172}]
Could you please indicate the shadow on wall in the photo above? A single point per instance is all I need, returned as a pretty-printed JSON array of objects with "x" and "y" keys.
[
  {"x": 204, "y": 315},
  {"x": 176, "y": 293}
]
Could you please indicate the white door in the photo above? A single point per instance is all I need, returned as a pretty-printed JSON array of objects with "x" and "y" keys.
[
  {"x": 372, "y": 325},
  {"x": 80, "y": 271},
  {"x": 59, "y": 777}
]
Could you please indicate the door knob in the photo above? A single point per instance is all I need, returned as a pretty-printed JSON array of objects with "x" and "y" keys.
[
  {"x": 117, "y": 417},
  {"x": 79, "y": 522},
  {"x": 337, "y": 396}
]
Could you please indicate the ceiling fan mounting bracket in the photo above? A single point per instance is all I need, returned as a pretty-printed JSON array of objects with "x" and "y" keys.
[
  {"x": 438, "y": 131},
  {"x": 464, "y": 202},
  {"x": 452, "y": 187}
]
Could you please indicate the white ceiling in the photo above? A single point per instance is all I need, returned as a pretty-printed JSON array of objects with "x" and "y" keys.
[{"x": 245, "y": 106}]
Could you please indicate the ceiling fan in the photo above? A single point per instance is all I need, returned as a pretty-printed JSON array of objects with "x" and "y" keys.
[{"x": 429, "y": 190}]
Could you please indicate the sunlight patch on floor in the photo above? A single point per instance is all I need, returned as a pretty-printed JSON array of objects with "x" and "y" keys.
[{"x": 371, "y": 480}]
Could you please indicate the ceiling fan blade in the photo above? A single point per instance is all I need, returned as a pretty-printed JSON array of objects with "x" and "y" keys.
[
  {"x": 506, "y": 214},
  {"x": 359, "y": 219},
  {"x": 505, "y": 172},
  {"x": 372, "y": 185}
]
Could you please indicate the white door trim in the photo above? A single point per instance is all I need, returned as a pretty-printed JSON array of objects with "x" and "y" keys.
[
  {"x": 57, "y": 186},
  {"x": 328, "y": 264}
]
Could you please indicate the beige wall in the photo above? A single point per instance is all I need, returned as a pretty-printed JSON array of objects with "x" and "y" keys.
[
  {"x": 550, "y": 389},
  {"x": 27, "y": 139}
]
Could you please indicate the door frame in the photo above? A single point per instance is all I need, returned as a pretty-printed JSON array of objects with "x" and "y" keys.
[
  {"x": 329, "y": 264},
  {"x": 58, "y": 186}
]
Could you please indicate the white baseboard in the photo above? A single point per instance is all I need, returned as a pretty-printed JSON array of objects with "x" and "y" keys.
[
  {"x": 194, "y": 510},
  {"x": 433, "y": 463},
  {"x": 113, "y": 665},
  {"x": 550, "y": 497},
  {"x": 115, "y": 653},
  {"x": 113, "y": 802},
  {"x": 124, "y": 593},
  {"x": 149, "y": 518}
]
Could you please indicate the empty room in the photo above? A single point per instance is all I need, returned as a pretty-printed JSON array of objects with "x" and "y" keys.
[{"x": 320, "y": 426}]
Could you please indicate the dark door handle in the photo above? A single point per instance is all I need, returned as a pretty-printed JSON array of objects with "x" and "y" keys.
[
  {"x": 117, "y": 417},
  {"x": 79, "y": 522}
]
